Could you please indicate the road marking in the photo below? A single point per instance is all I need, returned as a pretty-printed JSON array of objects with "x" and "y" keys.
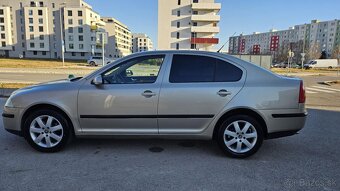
[
  {"x": 320, "y": 90},
  {"x": 325, "y": 88},
  {"x": 311, "y": 92}
]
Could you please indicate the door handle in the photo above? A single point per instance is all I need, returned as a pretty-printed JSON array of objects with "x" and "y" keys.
[
  {"x": 223, "y": 93},
  {"x": 148, "y": 94}
]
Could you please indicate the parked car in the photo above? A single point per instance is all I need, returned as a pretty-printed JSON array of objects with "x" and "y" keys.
[
  {"x": 163, "y": 94},
  {"x": 322, "y": 63},
  {"x": 281, "y": 65},
  {"x": 98, "y": 60}
]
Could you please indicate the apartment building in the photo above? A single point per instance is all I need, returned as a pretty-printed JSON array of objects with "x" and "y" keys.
[
  {"x": 325, "y": 35},
  {"x": 32, "y": 29},
  {"x": 188, "y": 24},
  {"x": 119, "y": 38},
  {"x": 141, "y": 42},
  {"x": 6, "y": 30}
]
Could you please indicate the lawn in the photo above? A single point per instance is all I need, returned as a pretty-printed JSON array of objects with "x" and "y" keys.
[{"x": 30, "y": 63}]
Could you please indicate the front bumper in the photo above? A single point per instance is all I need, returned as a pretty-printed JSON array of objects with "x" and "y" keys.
[{"x": 12, "y": 120}]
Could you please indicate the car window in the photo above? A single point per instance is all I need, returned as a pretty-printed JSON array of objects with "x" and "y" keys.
[
  {"x": 191, "y": 69},
  {"x": 135, "y": 71}
]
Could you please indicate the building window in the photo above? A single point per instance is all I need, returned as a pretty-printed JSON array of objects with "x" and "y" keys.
[
  {"x": 193, "y": 46},
  {"x": 80, "y": 30},
  {"x": 3, "y": 36},
  {"x": 178, "y": 24},
  {"x": 178, "y": 13},
  {"x": 31, "y": 29},
  {"x": 2, "y": 20},
  {"x": 44, "y": 53},
  {"x": 80, "y": 21},
  {"x": 70, "y": 30},
  {"x": 81, "y": 38},
  {"x": 41, "y": 29},
  {"x": 177, "y": 46},
  {"x": 179, "y": 2},
  {"x": 53, "y": 5},
  {"x": 41, "y": 21},
  {"x": 81, "y": 46},
  {"x": 2, "y": 28},
  {"x": 40, "y": 12},
  {"x": 42, "y": 45},
  {"x": 30, "y": 20},
  {"x": 194, "y": 24},
  {"x": 195, "y": 1},
  {"x": 32, "y": 45},
  {"x": 3, "y": 44},
  {"x": 70, "y": 38},
  {"x": 177, "y": 35},
  {"x": 35, "y": 52},
  {"x": 69, "y": 13},
  {"x": 70, "y": 21},
  {"x": 73, "y": 54},
  {"x": 41, "y": 4},
  {"x": 31, "y": 36},
  {"x": 30, "y": 12},
  {"x": 82, "y": 54},
  {"x": 1, "y": 12},
  {"x": 195, "y": 12},
  {"x": 80, "y": 13},
  {"x": 41, "y": 37},
  {"x": 71, "y": 46}
]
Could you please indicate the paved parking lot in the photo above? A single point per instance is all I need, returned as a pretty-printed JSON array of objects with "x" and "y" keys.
[{"x": 308, "y": 161}]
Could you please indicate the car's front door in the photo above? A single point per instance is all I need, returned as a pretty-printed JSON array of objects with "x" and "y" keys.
[
  {"x": 126, "y": 102},
  {"x": 195, "y": 89}
]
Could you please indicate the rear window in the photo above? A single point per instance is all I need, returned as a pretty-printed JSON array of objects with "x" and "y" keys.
[{"x": 193, "y": 69}]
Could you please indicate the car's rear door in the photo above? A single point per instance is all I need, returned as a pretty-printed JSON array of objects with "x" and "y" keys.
[{"x": 196, "y": 88}]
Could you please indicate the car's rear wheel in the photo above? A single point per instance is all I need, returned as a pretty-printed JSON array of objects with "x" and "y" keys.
[
  {"x": 47, "y": 131},
  {"x": 240, "y": 136}
]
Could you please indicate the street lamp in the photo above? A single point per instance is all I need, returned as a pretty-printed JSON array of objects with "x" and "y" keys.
[{"x": 61, "y": 33}]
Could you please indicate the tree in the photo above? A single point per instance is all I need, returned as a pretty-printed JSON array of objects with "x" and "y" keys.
[
  {"x": 336, "y": 53},
  {"x": 313, "y": 52}
]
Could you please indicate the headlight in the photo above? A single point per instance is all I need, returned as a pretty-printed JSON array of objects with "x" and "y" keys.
[{"x": 9, "y": 102}]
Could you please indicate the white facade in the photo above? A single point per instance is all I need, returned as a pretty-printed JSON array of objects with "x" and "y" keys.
[
  {"x": 6, "y": 30},
  {"x": 119, "y": 40},
  {"x": 188, "y": 24},
  {"x": 141, "y": 42},
  {"x": 33, "y": 29}
]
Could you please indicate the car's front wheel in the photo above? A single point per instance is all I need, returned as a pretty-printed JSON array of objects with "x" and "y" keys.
[
  {"x": 47, "y": 130},
  {"x": 240, "y": 136}
]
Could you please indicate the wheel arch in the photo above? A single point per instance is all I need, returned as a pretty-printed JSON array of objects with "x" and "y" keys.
[
  {"x": 241, "y": 111},
  {"x": 46, "y": 106}
]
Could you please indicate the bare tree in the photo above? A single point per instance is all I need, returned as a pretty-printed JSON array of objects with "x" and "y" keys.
[
  {"x": 313, "y": 52},
  {"x": 336, "y": 53}
]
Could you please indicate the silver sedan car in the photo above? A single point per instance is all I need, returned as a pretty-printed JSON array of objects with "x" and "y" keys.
[{"x": 163, "y": 94}]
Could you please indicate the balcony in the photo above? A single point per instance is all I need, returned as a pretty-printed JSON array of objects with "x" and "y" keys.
[
  {"x": 204, "y": 40},
  {"x": 203, "y": 29},
  {"x": 206, "y": 6},
  {"x": 208, "y": 17}
]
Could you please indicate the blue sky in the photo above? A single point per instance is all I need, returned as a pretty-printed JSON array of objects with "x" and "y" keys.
[{"x": 245, "y": 16}]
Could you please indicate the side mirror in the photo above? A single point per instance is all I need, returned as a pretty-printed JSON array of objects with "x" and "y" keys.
[
  {"x": 98, "y": 80},
  {"x": 129, "y": 73}
]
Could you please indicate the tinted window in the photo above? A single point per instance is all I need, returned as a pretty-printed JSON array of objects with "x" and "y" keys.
[
  {"x": 226, "y": 72},
  {"x": 190, "y": 69}
]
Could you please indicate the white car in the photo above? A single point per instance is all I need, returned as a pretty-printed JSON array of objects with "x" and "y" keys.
[{"x": 98, "y": 60}]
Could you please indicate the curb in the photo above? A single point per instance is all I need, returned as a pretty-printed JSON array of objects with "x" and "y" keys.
[
  {"x": 329, "y": 83},
  {"x": 6, "y": 92}
]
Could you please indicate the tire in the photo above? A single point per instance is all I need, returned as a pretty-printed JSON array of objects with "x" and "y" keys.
[
  {"x": 330, "y": 67},
  {"x": 239, "y": 145},
  {"x": 93, "y": 63},
  {"x": 58, "y": 133}
]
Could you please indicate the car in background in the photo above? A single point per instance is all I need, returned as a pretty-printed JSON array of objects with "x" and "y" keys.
[
  {"x": 163, "y": 94},
  {"x": 98, "y": 60},
  {"x": 322, "y": 63}
]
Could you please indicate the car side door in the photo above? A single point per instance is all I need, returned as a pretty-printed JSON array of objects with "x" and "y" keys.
[
  {"x": 126, "y": 101},
  {"x": 195, "y": 89}
]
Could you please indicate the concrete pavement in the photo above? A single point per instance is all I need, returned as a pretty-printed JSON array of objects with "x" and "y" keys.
[{"x": 308, "y": 161}]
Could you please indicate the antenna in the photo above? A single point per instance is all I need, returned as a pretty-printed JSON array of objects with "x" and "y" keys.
[{"x": 219, "y": 50}]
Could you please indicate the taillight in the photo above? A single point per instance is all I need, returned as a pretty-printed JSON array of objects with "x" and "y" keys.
[{"x": 302, "y": 95}]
